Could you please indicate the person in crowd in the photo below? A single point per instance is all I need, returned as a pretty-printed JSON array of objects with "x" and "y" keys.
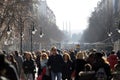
[
  {"x": 117, "y": 66},
  {"x": 48, "y": 53},
  {"x": 118, "y": 54},
  {"x": 37, "y": 60},
  {"x": 87, "y": 74},
  {"x": 77, "y": 48},
  {"x": 7, "y": 71},
  {"x": 79, "y": 64},
  {"x": 101, "y": 63},
  {"x": 116, "y": 73},
  {"x": 55, "y": 64},
  {"x": 112, "y": 59},
  {"x": 91, "y": 58},
  {"x": 44, "y": 68},
  {"x": 19, "y": 60},
  {"x": 29, "y": 66},
  {"x": 72, "y": 54},
  {"x": 67, "y": 67},
  {"x": 12, "y": 60}
]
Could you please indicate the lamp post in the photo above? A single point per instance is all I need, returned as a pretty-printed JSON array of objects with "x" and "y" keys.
[
  {"x": 118, "y": 30},
  {"x": 8, "y": 30},
  {"x": 41, "y": 35},
  {"x": 20, "y": 23},
  {"x": 32, "y": 31},
  {"x": 118, "y": 27},
  {"x": 21, "y": 34},
  {"x": 41, "y": 32}
]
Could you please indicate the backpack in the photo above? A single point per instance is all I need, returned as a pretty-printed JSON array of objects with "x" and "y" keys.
[{"x": 101, "y": 74}]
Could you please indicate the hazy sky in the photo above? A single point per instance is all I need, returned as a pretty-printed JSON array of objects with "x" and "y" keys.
[{"x": 74, "y": 13}]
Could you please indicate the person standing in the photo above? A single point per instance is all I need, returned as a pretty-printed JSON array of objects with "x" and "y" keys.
[
  {"x": 101, "y": 67},
  {"x": 79, "y": 64},
  {"x": 29, "y": 66},
  {"x": 6, "y": 69},
  {"x": 19, "y": 60},
  {"x": 113, "y": 60},
  {"x": 12, "y": 61},
  {"x": 67, "y": 67},
  {"x": 55, "y": 64}
]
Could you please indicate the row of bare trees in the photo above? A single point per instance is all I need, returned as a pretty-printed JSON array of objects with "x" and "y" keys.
[
  {"x": 101, "y": 23},
  {"x": 17, "y": 15}
]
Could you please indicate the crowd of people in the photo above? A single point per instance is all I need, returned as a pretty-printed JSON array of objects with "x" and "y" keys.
[{"x": 55, "y": 64}]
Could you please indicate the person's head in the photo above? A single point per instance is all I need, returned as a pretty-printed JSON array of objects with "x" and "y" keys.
[
  {"x": 98, "y": 55},
  {"x": 28, "y": 55},
  {"x": 80, "y": 55},
  {"x": 4, "y": 52},
  {"x": 66, "y": 57},
  {"x": 113, "y": 52},
  {"x": 48, "y": 52},
  {"x": 88, "y": 67},
  {"x": 10, "y": 58},
  {"x": 93, "y": 50},
  {"x": 44, "y": 56},
  {"x": 38, "y": 53},
  {"x": 16, "y": 53},
  {"x": 54, "y": 50},
  {"x": 100, "y": 58}
]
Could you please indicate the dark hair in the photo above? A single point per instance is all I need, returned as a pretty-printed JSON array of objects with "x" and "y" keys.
[
  {"x": 113, "y": 52},
  {"x": 16, "y": 53},
  {"x": 4, "y": 52},
  {"x": 98, "y": 55}
]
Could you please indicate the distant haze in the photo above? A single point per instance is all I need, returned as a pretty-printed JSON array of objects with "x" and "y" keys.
[{"x": 75, "y": 12}]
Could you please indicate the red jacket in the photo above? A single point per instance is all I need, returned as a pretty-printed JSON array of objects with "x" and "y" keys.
[{"x": 112, "y": 59}]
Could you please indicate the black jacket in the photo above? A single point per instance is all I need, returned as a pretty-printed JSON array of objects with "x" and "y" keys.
[
  {"x": 56, "y": 63},
  {"x": 101, "y": 64},
  {"x": 28, "y": 66}
]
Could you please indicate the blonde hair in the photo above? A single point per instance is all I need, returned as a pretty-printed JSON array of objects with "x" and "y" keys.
[
  {"x": 53, "y": 48},
  {"x": 68, "y": 56},
  {"x": 44, "y": 55},
  {"x": 80, "y": 55}
]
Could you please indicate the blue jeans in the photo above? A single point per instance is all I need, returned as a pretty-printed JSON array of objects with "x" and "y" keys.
[{"x": 54, "y": 75}]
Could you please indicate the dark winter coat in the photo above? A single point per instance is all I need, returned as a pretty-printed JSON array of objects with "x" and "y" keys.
[
  {"x": 101, "y": 64},
  {"x": 79, "y": 66},
  {"x": 56, "y": 63},
  {"x": 28, "y": 66},
  {"x": 67, "y": 70},
  {"x": 10, "y": 73}
]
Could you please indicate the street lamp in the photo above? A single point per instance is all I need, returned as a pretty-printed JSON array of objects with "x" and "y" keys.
[
  {"x": 33, "y": 31},
  {"x": 8, "y": 30},
  {"x": 109, "y": 34},
  {"x": 41, "y": 33},
  {"x": 118, "y": 30},
  {"x": 118, "y": 27}
]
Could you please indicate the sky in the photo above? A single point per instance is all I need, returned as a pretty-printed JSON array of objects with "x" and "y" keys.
[{"x": 72, "y": 15}]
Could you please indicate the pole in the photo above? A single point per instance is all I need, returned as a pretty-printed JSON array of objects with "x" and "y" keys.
[
  {"x": 21, "y": 35},
  {"x": 31, "y": 41}
]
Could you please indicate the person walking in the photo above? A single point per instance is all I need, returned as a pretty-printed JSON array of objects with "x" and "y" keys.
[
  {"x": 67, "y": 67},
  {"x": 6, "y": 69},
  {"x": 55, "y": 64},
  {"x": 29, "y": 66}
]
